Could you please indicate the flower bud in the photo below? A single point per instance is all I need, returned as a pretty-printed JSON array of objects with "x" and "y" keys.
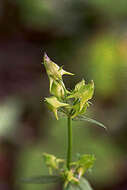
[
  {"x": 51, "y": 161},
  {"x": 53, "y": 70},
  {"x": 57, "y": 89}
]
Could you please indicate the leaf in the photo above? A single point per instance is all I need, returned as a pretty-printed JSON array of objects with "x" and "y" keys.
[
  {"x": 84, "y": 118},
  {"x": 72, "y": 187},
  {"x": 83, "y": 185},
  {"x": 41, "y": 179}
]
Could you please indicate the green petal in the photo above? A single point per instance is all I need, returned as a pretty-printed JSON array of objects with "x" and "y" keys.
[
  {"x": 50, "y": 160},
  {"x": 81, "y": 91},
  {"x": 53, "y": 104},
  {"x": 51, "y": 82},
  {"x": 83, "y": 110},
  {"x": 87, "y": 94},
  {"x": 80, "y": 85},
  {"x": 57, "y": 90},
  {"x": 63, "y": 72}
]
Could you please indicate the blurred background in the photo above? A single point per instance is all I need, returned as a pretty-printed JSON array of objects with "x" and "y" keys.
[{"x": 90, "y": 39}]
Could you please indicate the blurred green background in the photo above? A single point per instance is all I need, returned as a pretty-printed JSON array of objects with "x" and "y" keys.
[{"x": 90, "y": 39}]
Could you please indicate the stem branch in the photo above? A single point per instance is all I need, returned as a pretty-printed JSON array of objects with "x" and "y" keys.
[{"x": 69, "y": 151}]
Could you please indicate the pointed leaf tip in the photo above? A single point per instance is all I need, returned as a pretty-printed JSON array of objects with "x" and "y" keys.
[{"x": 84, "y": 118}]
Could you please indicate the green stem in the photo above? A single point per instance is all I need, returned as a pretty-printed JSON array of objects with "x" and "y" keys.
[{"x": 69, "y": 151}]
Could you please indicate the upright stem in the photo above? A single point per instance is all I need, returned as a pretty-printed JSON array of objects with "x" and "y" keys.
[{"x": 69, "y": 151}]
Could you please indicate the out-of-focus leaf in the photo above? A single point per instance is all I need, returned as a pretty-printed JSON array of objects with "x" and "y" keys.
[
  {"x": 41, "y": 180},
  {"x": 72, "y": 187},
  {"x": 10, "y": 113},
  {"x": 83, "y": 185},
  {"x": 84, "y": 118}
]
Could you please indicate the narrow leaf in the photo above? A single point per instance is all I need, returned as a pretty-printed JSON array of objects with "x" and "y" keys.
[
  {"x": 41, "y": 179},
  {"x": 84, "y": 118}
]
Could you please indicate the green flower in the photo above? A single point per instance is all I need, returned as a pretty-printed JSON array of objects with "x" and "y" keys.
[
  {"x": 76, "y": 109},
  {"x": 57, "y": 88},
  {"x": 69, "y": 178},
  {"x": 54, "y": 104},
  {"x": 85, "y": 162},
  {"x": 51, "y": 161},
  {"x": 81, "y": 94},
  {"x": 55, "y": 73},
  {"x": 79, "y": 85}
]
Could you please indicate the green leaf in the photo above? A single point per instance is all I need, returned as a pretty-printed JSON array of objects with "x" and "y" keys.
[
  {"x": 72, "y": 187},
  {"x": 83, "y": 185},
  {"x": 41, "y": 179},
  {"x": 84, "y": 118}
]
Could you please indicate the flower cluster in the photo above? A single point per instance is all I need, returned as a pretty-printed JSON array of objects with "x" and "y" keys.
[
  {"x": 70, "y": 102},
  {"x": 77, "y": 170},
  {"x": 73, "y": 103}
]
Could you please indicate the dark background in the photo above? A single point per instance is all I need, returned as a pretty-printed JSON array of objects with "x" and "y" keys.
[{"x": 90, "y": 39}]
